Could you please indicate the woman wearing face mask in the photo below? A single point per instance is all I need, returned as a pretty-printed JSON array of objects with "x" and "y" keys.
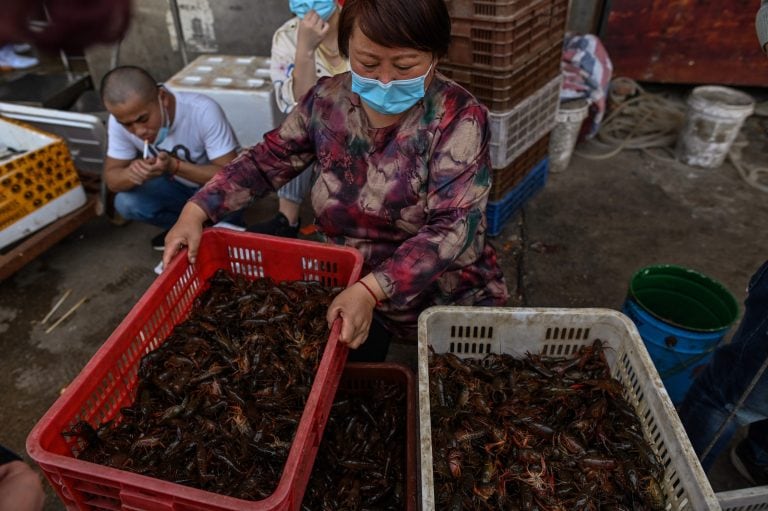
[
  {"x": 403, "y": 175},
  {"x": 304, "y": 49}
]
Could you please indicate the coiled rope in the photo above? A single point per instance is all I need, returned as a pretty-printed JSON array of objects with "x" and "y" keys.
[
  {"x": 652, "y": 123},
  {"x": 749, "y": 173},
  {"x": 644, "y": 122}
]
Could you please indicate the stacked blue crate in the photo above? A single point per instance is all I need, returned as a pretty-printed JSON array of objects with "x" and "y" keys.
[{"x": 498, "y": 212}]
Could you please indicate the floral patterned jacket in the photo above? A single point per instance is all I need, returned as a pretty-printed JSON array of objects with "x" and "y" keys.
[{"x": 410, "y": 197}]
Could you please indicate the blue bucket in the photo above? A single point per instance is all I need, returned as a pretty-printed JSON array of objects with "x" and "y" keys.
[{"x": 682, "y": 315}]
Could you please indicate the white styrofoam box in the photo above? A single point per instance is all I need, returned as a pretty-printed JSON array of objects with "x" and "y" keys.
[
  {"x": 49, "y": 213},
  {"x": 38, "y": 184},
  {"x": 515, "y": 131},
  {"x": 745, "y": 499},
  {"x": 241, "y": 85},
  {"x": 473, "y": 332},
  {"x": 85, "y": 134}
]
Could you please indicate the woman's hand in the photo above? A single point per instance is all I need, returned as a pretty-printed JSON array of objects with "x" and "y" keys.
[
  {"x": 312, "y": 30},
  {"x": 355, "y": 307},
  {"x": 186, "y": 232}
]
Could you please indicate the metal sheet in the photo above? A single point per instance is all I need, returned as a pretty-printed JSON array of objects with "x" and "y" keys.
[{"x": 685, "y": 41}]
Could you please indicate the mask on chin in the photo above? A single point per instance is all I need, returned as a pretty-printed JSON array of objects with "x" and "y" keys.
[
  {"x": 166, "y": 125},
  {"x": 323, "y": 8}
]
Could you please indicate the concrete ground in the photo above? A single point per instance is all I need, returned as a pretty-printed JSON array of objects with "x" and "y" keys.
[{"x": 574, "y": 245}]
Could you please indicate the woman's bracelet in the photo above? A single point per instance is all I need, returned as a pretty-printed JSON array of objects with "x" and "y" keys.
[
  {"x": 178, "y": 166},
  {"x": 376, "y": 300}
]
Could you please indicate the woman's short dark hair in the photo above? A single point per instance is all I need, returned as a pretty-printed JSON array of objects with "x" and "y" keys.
[{"x": 423, "y": 25}]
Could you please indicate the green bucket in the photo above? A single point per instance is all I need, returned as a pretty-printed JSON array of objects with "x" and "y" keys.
[
  {"x": 682, "y": 315},
  {"x": 684, "y": 298}
]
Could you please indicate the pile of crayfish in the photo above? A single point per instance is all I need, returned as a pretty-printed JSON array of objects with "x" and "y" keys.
[
  {"x": 218, "y": 403},
  {"x": 361, "y": 460},
  {"x": 537, "y": 433}
]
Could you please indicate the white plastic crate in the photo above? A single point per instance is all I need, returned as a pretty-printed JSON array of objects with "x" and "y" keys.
[
  {"x": 473, "y": 332},
  {"x": 241, "y": 85},
  {"x": 515, "y": 131},
  {"x": 746, "y": 499}
]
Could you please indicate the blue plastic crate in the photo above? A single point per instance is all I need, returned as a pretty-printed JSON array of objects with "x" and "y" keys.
[{"x": 498, "y": 212}]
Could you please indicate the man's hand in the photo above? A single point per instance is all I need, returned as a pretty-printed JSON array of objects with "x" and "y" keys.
[
  {"x": 164, "y": 162},
  {"x": 312, "y": 30},
  {"x": 140, "y": 171}
]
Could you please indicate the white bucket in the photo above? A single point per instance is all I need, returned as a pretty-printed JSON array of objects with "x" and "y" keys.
[
  {"x": 715, "y": 116},
  {"x": 570, "y": 115}
]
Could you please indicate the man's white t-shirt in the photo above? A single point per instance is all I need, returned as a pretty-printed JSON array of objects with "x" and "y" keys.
[{"x": 200, "y": 133}]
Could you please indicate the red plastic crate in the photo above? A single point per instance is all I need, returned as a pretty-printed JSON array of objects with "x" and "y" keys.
[
  {"x": 108, "y": 381},
  {"x": 358, "y": 378},
  {"x": 501, "y": 44},
  {"x": 487, "y": 8},
  {"x": 501, "y": 91}
]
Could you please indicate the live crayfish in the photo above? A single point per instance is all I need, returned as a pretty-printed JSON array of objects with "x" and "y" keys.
[
  {"x": 218, "y": 403},
  {"x": 537, "y": 433},
  {"x": 360, "y": 463}
]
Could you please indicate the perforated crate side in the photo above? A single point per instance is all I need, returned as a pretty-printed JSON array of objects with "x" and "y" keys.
[
  {"x": 485, "y": 8},
  {"x": 515, "y": 131},
  {"x": 502, "y": 82},
  {"x": 745, "y": 499},
  {"x": 108, "y": 381},
  {"x": 501, "y": 91},
  {"x": 472, "y": 332},
  {"x": 503, "y": 43}
]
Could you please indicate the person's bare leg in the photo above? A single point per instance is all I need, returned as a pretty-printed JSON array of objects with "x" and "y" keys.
[
  {"x": 290, "y": 209},
  {"x": 20, "y": 487}
]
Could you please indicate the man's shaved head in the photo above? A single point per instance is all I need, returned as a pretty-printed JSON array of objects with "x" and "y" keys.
[{"x": 125, "y": 82}]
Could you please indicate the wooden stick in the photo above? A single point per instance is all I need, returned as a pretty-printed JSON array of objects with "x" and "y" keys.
[
  {"x": 56, "y": 306},
  {"x": 66, "y": 314}
]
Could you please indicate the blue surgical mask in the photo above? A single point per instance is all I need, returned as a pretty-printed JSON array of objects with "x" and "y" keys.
[
  {"x": 390, "y": 98},
  {"x": 166, "y": 124},
  {"x": 323, "y": 8}
]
